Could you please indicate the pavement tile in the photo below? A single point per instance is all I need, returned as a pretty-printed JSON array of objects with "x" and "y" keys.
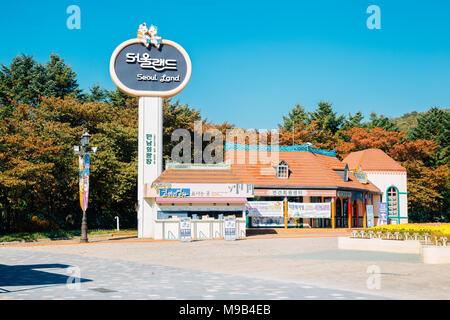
[{"x": 27, "y": 270}]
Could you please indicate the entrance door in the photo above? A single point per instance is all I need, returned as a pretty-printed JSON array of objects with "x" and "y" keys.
[
  {"x": 339, "y": 216},
  {"x": 355, "y": 214},
  {"x": 345, "y": 213}
]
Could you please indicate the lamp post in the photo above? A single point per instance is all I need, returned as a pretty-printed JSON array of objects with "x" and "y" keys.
[{"x": 84, "y": 168}]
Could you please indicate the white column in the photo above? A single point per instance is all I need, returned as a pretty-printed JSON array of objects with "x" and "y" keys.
[{"x": 150, "y": 159}]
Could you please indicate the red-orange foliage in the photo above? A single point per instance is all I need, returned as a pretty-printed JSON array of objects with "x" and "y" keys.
[{"x": 425, "y": 183}]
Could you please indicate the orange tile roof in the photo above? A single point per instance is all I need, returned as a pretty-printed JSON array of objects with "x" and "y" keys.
[
  {"x": 372, "y": 160},
  {"x": 307, "y": 170}
]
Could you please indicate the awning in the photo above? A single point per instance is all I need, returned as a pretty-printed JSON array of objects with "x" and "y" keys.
[{"x": 230, "y": 200}]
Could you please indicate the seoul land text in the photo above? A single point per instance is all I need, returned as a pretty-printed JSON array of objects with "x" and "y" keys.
[{"x": 154, "y": 77}]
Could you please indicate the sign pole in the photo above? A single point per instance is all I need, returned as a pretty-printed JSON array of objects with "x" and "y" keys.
[
  {"x": 84, "y": 169},
  {"x": 333, "y": 212},
  {"x": 84, "y": 238},
  {"x": 150, "y": 68},
  {"x": 285, "y": 211},
  {"x": 149, "y": 153},
  {"x": 350, "y": 211},
  {"x": 364, "y": 211}
]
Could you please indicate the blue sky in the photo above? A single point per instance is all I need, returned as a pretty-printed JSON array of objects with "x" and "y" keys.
[{"x": 253, "y": 61}]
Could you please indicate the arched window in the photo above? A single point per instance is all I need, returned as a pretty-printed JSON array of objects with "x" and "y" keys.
[
  {"x": 282, "y": 170},
  {"x": 392, "y": 199}
]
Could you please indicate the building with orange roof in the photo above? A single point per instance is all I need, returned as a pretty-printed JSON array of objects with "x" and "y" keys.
[
  {"x": 388, "y": 175},
  {"x": 267, "y": 186}
]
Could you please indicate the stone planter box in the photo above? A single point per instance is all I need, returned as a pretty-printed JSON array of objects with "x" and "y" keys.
[
  {"x": 394, "y": 246},
  {"x": 430, "y": 254},
  {"x": 436, "y": 255}
]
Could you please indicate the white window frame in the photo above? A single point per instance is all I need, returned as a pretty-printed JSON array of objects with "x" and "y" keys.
[
  {"x": 282, "y": 170},
  {"x": 393, "y": 201}
]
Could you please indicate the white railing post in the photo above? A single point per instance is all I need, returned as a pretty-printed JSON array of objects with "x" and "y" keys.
[{"x": 117, "y": 223}]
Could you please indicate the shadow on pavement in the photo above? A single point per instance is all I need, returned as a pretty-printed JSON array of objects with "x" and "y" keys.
[{"x": 29, "y": 275}]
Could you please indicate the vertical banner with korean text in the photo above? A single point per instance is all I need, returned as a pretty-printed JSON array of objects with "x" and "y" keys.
[
  {"x": 87, "y": 165},
  {"x": 80, "y": 178},
  {"x": 83, "y": 173}
]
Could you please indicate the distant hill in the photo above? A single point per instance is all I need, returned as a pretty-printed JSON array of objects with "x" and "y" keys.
[{"x": 408, "y": 120}]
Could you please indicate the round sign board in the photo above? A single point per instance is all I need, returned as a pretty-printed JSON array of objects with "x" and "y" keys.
[{"x": 141, "y": 71}]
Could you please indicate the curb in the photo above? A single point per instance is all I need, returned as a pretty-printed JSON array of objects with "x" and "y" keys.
[{"x": 61, "y": 239}]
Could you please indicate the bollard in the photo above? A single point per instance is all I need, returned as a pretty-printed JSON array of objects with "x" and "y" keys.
[{"x": 117, "y": 222}]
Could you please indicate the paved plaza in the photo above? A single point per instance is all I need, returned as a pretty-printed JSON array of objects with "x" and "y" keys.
[{"x": 302, "y": 267}]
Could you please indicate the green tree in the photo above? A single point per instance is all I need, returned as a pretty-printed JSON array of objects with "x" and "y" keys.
[
  {"x": 60, "y": 79},
  {"x": 25, "y": 81},
  {"x": 325, "y": 118},
  {"x": 434, "y": 125},
  {"x": 296, "y": 116},
  {"x": 354, "y": 121},
  {"x": 381, "y": 122},
  {"x": 119, "y": 99},
  {"x": 19, "y": 83},
  {"x": 97, "y": 94}
]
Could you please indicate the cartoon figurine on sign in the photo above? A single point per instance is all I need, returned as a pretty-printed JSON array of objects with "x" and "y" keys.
[
  {"x": 142, "y": 33},
  {"x": 154, "y": 39},
  {"x": 149, "y": 35}
]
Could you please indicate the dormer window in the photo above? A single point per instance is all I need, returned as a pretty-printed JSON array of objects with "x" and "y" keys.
[
  {"x": 282, "y": 170},
  {"x": 343, "y": 173}
]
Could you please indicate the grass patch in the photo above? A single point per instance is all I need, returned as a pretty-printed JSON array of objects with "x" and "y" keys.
[{"x": 58, "y": 234}]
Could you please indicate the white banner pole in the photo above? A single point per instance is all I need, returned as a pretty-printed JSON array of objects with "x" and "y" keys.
[{"x": 150, "y": 158}]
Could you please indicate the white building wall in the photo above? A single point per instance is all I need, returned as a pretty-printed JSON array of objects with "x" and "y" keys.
[
  {"x": 152, "y": 227},
  {"x": 385, "y": 179},
  {"x": 376, "y": 209},
  {"x": 149, "y": 217}
]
